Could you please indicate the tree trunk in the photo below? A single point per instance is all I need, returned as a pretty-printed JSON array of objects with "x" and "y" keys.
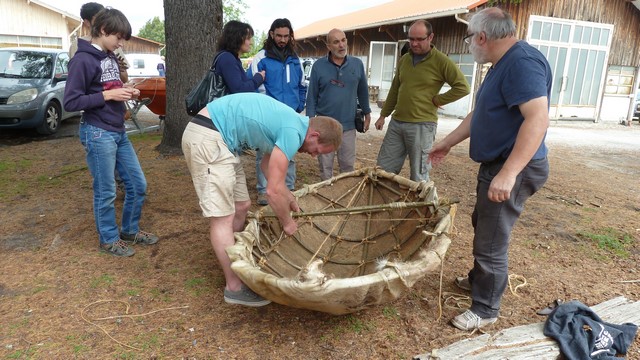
[{"x": 191, "y": 30}]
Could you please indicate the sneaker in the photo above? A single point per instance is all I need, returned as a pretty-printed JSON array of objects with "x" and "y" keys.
[
  {"x": 262, "y": 199},
  {"x": 463, "y": 283},
  {"x": 118, "y": 248},
  {"x": 142, "y": 237},
  {"x": 245, "y": 296},
  {"x": 468, "y": 321}
]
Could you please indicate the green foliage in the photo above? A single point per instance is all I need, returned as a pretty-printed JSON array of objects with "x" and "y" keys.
[
  {"x": 610, "y": 240},
  {"x": 232, "y": 10},
  {"x": 258, "y": 41},
  {"x": 153, "y": 30}
]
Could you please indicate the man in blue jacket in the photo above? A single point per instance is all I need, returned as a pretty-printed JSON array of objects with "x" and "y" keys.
[{"x": 284, "y": 83}]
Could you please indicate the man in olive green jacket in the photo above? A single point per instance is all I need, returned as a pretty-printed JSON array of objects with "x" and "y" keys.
[{"x": 414, "y": 100}]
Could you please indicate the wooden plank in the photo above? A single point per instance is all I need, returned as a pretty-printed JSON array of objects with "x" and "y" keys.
[{"x": 528, "y": 341}]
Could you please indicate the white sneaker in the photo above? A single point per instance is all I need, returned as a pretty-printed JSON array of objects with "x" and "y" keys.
[{"x": 468, "y": 321}]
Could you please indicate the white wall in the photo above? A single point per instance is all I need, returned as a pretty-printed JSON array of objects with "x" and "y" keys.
[
  {"x": 143, "y": 64},
  {"x": 615, "y": 108}
]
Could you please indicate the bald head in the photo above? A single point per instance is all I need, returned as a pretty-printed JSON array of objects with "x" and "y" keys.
[{"x": 337, "y": 44}]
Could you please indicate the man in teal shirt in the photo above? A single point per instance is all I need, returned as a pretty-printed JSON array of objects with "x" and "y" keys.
[{"x": 211, "y": 143}]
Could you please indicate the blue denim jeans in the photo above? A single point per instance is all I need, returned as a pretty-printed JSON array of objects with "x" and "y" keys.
[
  {"x": 108, "y": 151},
  {"x": 261, "y": 186}
]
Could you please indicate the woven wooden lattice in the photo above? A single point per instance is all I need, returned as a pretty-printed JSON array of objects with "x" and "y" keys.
[{"x": 363, "y": 238}]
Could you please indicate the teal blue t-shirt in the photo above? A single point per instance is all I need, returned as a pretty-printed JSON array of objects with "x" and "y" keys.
[{"x": 257, "y": 121}]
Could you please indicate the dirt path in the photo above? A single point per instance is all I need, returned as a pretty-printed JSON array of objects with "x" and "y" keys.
[{"x": 577, "y": 239}]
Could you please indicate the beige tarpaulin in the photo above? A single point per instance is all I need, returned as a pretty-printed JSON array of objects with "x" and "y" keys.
[{"x": 364, "y": 238}]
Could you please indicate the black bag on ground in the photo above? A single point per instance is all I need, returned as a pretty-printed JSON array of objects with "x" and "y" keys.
[
  {"x": 211, "y": 87},
  {"x": 359, "y": 119}
]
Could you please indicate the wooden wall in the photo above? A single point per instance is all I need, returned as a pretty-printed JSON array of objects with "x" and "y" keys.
[
  {"x": 19, "y": 17},
  {"x": 137, "y": 45},
  {"x": 448, "y": 38},
  {"x": 625, "y": 48}
]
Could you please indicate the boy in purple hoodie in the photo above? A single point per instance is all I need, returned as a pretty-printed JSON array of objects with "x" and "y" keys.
[{"x": 94, "y": 86}]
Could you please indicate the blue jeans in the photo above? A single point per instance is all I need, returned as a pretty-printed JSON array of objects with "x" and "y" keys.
[
  {"x": 108, "y": 151},
  {"x": 262, "y": 181}
]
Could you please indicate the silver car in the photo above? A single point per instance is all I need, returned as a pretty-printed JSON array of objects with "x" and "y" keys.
[{"x": 32, "y": 84}]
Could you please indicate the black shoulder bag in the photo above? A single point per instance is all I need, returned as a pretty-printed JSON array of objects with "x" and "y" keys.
[
  {"x": 211, "y": 87},
  {"x": 359, "y": 119}
]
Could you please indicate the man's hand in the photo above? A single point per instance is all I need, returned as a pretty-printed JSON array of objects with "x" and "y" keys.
[
  {"x": 438, "y": 153},
  {"x": 380, "y": 122},
  {"x": 501, "y": 186},
  {"x": 367, "y": 121}
]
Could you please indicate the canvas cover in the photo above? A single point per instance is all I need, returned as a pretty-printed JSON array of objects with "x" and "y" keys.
[{"x": 364, "y": 238}]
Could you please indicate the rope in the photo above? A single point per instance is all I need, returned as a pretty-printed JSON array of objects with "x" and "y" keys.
[
  {"x": 126, "y": 315},
  {"x": 519, "y": 281},
  {"x": 359, "y": 189}
]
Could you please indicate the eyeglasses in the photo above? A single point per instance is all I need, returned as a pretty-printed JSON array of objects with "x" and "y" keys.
[
  {"x": 467, "y": 39},
  {"x": 418, "y": 39}
]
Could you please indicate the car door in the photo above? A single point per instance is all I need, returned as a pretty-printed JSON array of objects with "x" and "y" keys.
[{"x": 59, "y": 80}]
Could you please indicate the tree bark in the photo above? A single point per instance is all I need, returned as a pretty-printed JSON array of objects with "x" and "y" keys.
[{"x": 192, "y": 28}]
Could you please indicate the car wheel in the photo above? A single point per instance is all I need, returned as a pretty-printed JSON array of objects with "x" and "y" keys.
[{"x": 51, "y": 120}]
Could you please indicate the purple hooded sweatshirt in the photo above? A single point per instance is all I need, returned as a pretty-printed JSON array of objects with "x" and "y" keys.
[{"x": 92, "y": 71}]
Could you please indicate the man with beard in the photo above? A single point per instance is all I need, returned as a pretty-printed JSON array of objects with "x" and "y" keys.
[
  {"x": 506, "y": 130},
  {"x": 414, "y": 100},
  {"x": 337, "y": 85},
  {"x": 285, "y": 83}
]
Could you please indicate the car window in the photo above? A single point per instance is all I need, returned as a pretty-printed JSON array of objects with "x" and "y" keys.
[
  {"x": 62, "y": 64},
  {"x": 26, "y": 64},
  {"x": 138, "y": 63}
]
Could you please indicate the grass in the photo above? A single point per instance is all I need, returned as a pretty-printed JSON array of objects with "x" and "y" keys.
[
  {"x": 390, "y": 312},
  {"x": 76, "y": 342},
  {"x": 159, "y": 294},
  {"x": 358, "y": 326},
  {"x": 196, "y": 286},
  {"x": 103, "y": 280},
  {"x": 610, "y": 240},
  {"x": 11, "y": 184}
]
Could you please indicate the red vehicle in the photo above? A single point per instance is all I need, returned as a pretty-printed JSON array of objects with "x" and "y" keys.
[{"x": 154, "y": 89}]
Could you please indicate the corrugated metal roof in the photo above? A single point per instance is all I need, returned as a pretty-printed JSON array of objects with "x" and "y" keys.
[{"x": 393, "y": 12}]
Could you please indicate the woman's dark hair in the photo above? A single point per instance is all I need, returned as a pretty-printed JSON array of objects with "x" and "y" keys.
[
  {"x": 89, "y": 10},
  {"x": 233, "y": 35},
  {"x": 269, "y": 43},
  {"x": 111, "y": 21}
]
